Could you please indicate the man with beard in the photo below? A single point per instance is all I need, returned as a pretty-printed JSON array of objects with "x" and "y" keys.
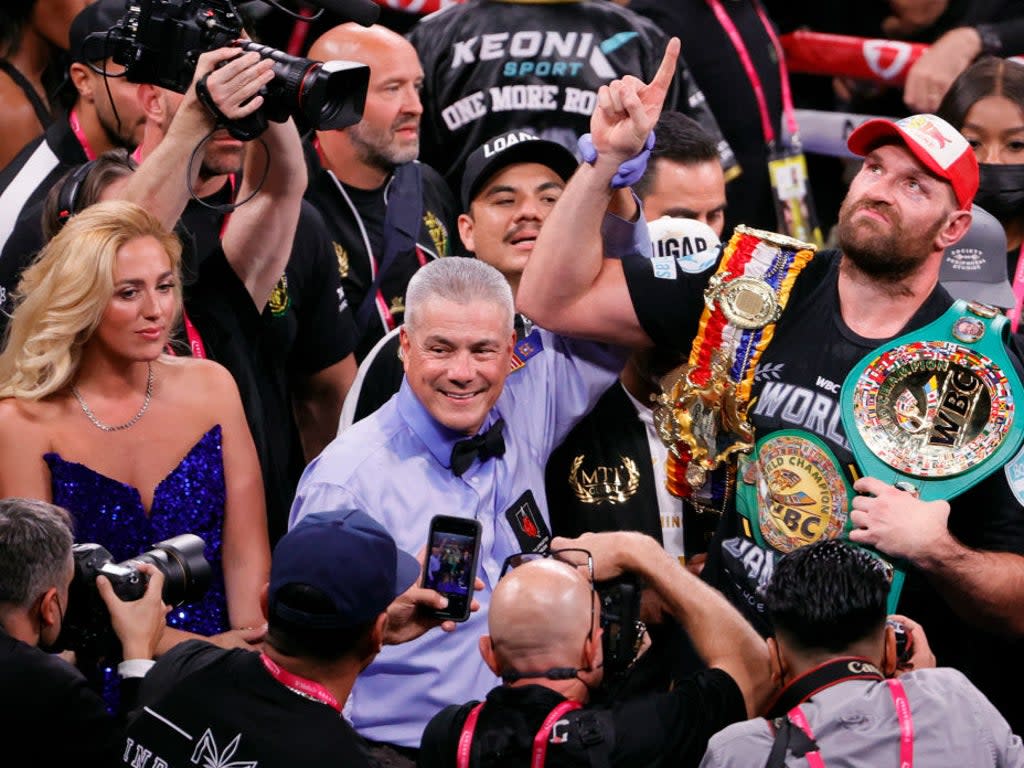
[
  {"x": 106, "y": 115},
  {"x": 909, "y": 201},
  {"x": 387, "y": 214}
]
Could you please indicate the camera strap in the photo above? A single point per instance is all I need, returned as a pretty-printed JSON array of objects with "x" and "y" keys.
[
  {"x": 540, "y": 741},
  {"x": 243, "y": 129},
  {"x": 785, "y": 713},
  {"x": 308, "y": 689}
]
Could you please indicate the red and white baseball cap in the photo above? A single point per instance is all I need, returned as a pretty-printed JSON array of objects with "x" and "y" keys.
[{"x": 933, "y": 141}]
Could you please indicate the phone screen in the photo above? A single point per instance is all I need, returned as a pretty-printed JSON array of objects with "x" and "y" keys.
[{"x": 451, "y": 564}]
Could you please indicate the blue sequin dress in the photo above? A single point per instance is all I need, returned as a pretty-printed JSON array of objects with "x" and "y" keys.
[{"x": 189, "y": 500}]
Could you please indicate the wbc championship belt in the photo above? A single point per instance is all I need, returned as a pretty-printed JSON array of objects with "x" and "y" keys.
[
  {"x": 935, "y": 411},
  {"x": 702, "y": 412},
  {"x": 792, "y": 491}
]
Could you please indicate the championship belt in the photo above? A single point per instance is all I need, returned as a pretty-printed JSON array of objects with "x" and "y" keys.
[
  {"x": 702, "y": 411},
  {"x": 792, "y": 491},
  {"x": 935, "y": 411}
]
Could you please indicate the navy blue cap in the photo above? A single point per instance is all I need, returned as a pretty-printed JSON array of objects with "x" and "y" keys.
[
  {"x": 509, "y": 148},
  {"x": 347, "y": 556}
]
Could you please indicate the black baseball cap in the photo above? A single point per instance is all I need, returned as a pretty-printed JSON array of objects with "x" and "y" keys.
[
  {"x": 95, "y": 19},
  {"x": 510, "y": 148}
]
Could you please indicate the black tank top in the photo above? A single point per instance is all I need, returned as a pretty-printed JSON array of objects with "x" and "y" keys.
[{"x": 41, "y": 110}]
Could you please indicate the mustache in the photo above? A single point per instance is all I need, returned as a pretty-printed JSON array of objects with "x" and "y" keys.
[
  {"x": 408, "y": 122},
  {"x": 518, "y": 229}
]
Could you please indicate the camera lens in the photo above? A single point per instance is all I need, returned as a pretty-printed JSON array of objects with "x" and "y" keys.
[
  {"x": 328, "y": 95},
  {"x": 333, "y": 94},
  {"x": 185, "y": 569}
]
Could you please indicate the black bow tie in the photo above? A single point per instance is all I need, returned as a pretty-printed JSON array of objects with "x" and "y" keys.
[{"x": 486, "y": 445}]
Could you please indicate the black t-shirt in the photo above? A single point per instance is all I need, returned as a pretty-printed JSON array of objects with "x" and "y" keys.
[
  {"x": 638, "y": 732},
  {"x": 305, "y": 327},
  {"x": 355, "y": 227},
  {"x": 797, "y": 386},
  {"x": 204, "y": 705},
  {"x": 49, "y": 716},
  {"x": 492, "y": 66}
]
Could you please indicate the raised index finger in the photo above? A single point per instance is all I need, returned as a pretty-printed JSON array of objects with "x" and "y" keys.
[{"x": 667, "y": 69}]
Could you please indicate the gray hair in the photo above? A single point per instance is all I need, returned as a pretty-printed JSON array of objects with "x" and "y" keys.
[
  {"x": 35, "y": 546},
  {"x": 460, "y": 280}
]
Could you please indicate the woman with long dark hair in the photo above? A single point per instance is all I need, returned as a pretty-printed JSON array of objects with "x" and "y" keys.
[{"x": 986, "y": 104}]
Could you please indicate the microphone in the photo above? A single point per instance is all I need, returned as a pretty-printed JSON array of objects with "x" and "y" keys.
[{"x": 363, "y": 12}]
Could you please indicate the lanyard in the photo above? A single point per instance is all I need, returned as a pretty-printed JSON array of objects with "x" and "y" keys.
[
  {"x": 540, "y": 741},
  {"x": 306, "y": 688},
  {"x": 1018, "y": 291},
  {"x": 76, "y": 128},
  {"x": 902, "y": 705},
  {"x": 195, "y": 340},
  {"x": 755, "y": 82},
  {"x": 387, "y": 319}
]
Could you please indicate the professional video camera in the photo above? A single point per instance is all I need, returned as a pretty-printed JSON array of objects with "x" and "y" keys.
[
  {"x": 86, "y": 627},
  {"x": 160, "y": 41}
]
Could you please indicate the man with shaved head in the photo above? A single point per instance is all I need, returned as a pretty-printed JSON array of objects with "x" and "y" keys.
[
  {"x": 545, "y": 643},
  {"x": 387, "y": 214}
]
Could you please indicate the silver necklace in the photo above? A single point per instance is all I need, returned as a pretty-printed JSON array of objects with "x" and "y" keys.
[{"x": 117, "y": 427}]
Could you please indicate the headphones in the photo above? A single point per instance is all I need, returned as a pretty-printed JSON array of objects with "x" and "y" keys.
[{"x": 67, "y": 196}]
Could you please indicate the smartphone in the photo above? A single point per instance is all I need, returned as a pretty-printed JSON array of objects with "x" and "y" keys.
[{"x": 450, "y": 568}]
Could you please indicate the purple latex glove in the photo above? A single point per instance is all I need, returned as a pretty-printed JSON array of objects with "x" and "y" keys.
[{"x": 629, "y": 172}]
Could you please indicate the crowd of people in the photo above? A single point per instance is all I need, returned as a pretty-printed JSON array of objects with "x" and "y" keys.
[{"x": 736, "y": 428}]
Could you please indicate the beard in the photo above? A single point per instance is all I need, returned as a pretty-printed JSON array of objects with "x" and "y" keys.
[
  {"x": 886, "y": 253},
  {"x": 380, "y": 148},
  {"x": 220, "y": 161}
]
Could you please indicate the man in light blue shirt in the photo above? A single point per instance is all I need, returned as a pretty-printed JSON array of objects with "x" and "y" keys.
[{"x": 465, "y": 374}]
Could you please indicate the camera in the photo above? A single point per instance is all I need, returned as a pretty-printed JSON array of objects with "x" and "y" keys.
[
  {"x": 904, "y": 641},
  {"x": 623, "y": 630},
  {"x": 159, "y": 42},
  {"x": 86, "y": 627}
]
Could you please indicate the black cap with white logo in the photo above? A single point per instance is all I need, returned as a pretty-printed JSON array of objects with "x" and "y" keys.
[{"x": 507, "y": 149}]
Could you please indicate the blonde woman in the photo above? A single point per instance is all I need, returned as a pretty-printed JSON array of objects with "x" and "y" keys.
[{"x": 139, "y": 445}]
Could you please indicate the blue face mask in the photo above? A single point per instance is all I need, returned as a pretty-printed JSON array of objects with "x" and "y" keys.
[{"x": 1001, "y": 190}]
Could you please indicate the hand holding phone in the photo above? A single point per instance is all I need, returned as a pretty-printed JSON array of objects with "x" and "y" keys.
[{"x": 453, "y": 549}]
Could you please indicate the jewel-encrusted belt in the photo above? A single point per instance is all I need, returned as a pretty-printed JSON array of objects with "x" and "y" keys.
[{"x": 702, "y": 412}]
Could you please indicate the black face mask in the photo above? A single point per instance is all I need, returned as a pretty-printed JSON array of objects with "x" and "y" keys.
[{"x": 1001, "y": 190}]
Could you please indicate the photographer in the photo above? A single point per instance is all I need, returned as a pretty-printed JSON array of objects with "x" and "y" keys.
[
  {"x": 50, "y": 715},
  {"x": 545, "y": 642},
  {"x": 832, "y": 652},
  {"x": 339, "y": 589}
]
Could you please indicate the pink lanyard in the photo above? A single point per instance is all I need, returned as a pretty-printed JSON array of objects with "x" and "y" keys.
[
  {"x": 902, "y": 704},
  {"x": 755, "y": 82},
  {"x": 76, "y": 128},
  {"x": 1018, "y": 291},
  {"x": 300, "y": 685},
  {"x": 540, "y": 741}
]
